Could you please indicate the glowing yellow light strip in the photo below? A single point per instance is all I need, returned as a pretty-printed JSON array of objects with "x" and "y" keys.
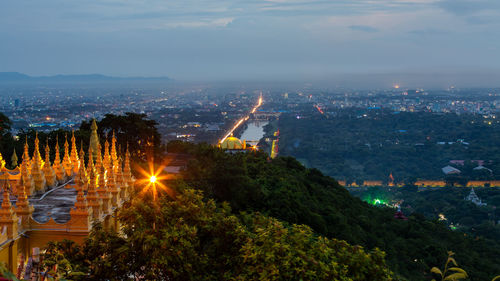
[{"x": 259, "y": 103}]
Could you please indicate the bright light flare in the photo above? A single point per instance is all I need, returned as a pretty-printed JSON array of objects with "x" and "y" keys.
[{"x": 152, "y": 180}]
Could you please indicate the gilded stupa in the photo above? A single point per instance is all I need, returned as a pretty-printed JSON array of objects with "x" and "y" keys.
[{"x": 96, "y": 188}]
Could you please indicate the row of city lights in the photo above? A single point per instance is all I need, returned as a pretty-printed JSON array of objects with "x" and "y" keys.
[{"x": 259, "y": 103}]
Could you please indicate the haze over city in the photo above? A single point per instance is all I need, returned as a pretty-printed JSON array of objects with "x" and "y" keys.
[{"x": 425, "y": 43}]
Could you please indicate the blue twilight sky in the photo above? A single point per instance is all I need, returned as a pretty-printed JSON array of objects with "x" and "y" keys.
[{"x": 249, "y": 39}]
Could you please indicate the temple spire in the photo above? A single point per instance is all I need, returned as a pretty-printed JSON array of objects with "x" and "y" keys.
[
  {"x": 94, "y": 139},
  {"x": 2, "y": 162},
  {"x": 114, "y": 156},
  {"x": 26, "y": 179},
  {"x": 74, "y": 153},
  {"x": 36, "y": 168},
  {"x": 81, "y": 176},
  {"x": 127, "y": 172},
  {"x": 67, "y": 164},
  {"x": 80, "y": 214},
  {"x": 58, "y": 168},
  {"x": 23, "y": 208},
  {"x": 107, "y": 158},
  {"x": 94, "y": 201},
  {"x": 103, "y": 191},
  {"x": 8, "y": 217},
  {"x": 98, "y": 160},
  {"x": 26, "y": 154},
  {"x": 120, "y": 181},
  {"x": 14, "y": 159},
  {"x": 50, "y": 175}
]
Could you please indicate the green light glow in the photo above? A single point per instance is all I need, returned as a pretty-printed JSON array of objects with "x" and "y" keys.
[{"x": 377, "y": 201}]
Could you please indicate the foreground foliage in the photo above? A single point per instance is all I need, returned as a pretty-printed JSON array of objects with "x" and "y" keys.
[
  {"x": 285, "y": 189},
  {"x": 189, "y": 238},
  {"x": 452, "y": 272}
]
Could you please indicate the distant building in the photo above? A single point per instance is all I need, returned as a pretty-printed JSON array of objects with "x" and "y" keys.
[
  {"x": 449, "y": 170},
  {"x": 474, "y": 198},
  {"x": 481, "y": 167}
]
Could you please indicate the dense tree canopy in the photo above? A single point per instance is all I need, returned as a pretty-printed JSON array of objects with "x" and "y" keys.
[
  {"x": 361, "y": 144},
  {"x": 190, "y": 238},
  {"x": 285, "y": 189},
  {"x": 132, "y": 129}
]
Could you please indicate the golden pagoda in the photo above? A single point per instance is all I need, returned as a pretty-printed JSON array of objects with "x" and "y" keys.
[
  {"x": 50, "y": 175},
  {"x": 74, "y": 153},
  {"x": 107, "y": 158},
  {"x": 36, "y": 168},
  {"x": 2, "y": 162},
  {"x": 67, "y": 164},
  {"x": 58, "y": 168},
  {"x": 13, "y": 159},
  {"x": 8, "y": 218},
  {"x": 23, "y": 209},
  {"x": 127, "y": 172},
  {"x": 94, "y": 140},
  {"x": 103, "y": 191},
  {"x": 100, "y": 190},
  {"x": 114, "y": 156},
  {"x": 93, "y": 199}
]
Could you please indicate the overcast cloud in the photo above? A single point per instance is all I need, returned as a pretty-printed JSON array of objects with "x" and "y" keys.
[{"x": 252, "y": 39}]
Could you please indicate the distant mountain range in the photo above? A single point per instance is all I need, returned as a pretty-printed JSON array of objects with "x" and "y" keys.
[{"x": 80, "y": 78}]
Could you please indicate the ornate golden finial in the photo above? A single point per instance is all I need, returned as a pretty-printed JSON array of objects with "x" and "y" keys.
[
  {"x": 81, "y": 176},
  {"x": 114, "y": 156},
  {"x": 90, "y": 163},
  {"x": 36, "y": 168},
  {"x": 120, "y": 181},
  {"x": 107, "y": 157},
  {"x": 7, "y": 216},
  {"x": 23, "y": 208},
  {"x": 2, "y": 162},
  {"x": 102, "y": 177},
  {"x": 47, "y": 153},
  {"x": 103, "y": 191},
  {"x": 58, "y": 168},
  {"x": 80, "y": 214},
  {"x": 92, "y": 197},
  {"x": 26, "y": 155},
  {"x": 36, "y": 153},
  {"x": 50, "y": 175},
  {"x": 91, "y": 173},
  {"x": 98, "y": 160},
  {"x": 80, "y": 204},
  {"x": 94, "y": 139},
  {"x": 127, "y": 173},
  {"x": 26, "y": 178},
  {"x": 126, "y": 169},
  {"x": 113, "y": 188},
  {"x": 14, "y": 159},
  {"x": 74, "y": 154},
  {"x": 6, "y": 198},
  {"x": 67, "y": 164}
]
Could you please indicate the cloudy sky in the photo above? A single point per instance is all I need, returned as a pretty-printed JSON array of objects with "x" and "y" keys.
[{"x": 249, "y": 39}]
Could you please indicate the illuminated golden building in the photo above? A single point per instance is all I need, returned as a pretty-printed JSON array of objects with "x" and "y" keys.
[
  {"x": 233, "y": 143},
  {"x": 97, "y": 190}
]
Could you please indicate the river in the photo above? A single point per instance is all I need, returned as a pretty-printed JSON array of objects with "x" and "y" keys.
[{"x": 254, "y": 131}]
